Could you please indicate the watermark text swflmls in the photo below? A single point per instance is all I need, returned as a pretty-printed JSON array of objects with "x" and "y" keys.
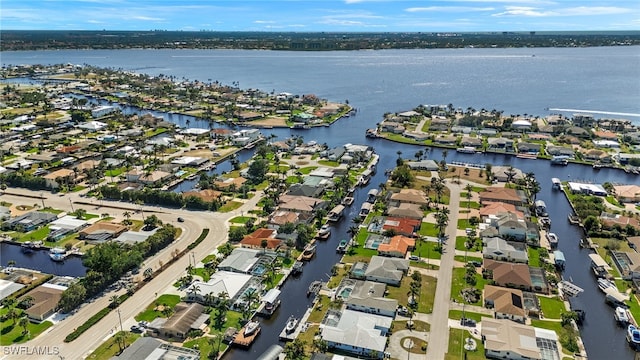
[{"x": 31, "y": 350}]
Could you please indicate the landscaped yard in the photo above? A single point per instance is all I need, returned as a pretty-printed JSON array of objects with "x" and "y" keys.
[
  {"x": 534, "y": 256},
  {"x": 12, "y": 332},
  {"x": 427, "y": 249},
  {"x": 428, "y": 229},
  {"x": 110, "y": 348},
  {"x": 241, "y": 219},
  {"x": 456, "y": 350},
  {"x": 469, "y": 205},
  {"x": 202, "y": 272},
  {"x": 425, "y": 298},
  {"x": 458, "y": 283},
  {"x": 36, "y": 235},
  {"x": 230, "y": 206},
  {"x": 152, "y": 312},
  {"x": 552, "y": 308},
  {"x": 457, "y": 315},
  {"x": 463, "y": 224}
]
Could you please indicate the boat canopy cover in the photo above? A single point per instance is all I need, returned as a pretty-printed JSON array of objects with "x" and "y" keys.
[
  {"x": 598, "y": 261},
  {"x": 271, "y": 296}
]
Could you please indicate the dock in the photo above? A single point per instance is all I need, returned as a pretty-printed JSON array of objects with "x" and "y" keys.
[
  {"x": 245, "y": 341},
  {"x": 300, "y": 327}
]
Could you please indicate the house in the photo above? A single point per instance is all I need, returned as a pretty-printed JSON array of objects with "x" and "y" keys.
[
  {"x": 503, "y": 173},
  {"x": 502, "y": 194},
  {"x": 45, "y": 301},
  {"x": 499, "y": 249},
  {"x": 500, "y": 143},
  {"x": 147, "y": 178},
  {"x": 429, "y": 165},
  {"x": 560, "y": 151},
  {"x": 357, "y": 333},
  {"x": 29, "y": 221},
  {"x": 303, "y": 204},
  {"x": 505, "y": 339},
  {"x": 241, "y": 260},
  {"x": 236, "y": 182},
  {"x": 471, "y": 141},
  {"x": 627, "y": 193},
  {"x": 411, "y": 211},
  {"x": 101, "y": 231},
  {"x": 587, "y": 189},
  {"x": 509, "y": 225},
  {"x": 55, "y": 179},
  {"x": 305, "y": 190},
  {"x": 521, "y": 125},
  {"x": 254, "y": 240},
  {"x": 402, "y": 226},
  {"x": 411, "y": 196},
  {"x": 207, "y": 195},
  {"x": 507, "y": 274},
  {"x": 92, "y": 126},
  {"x": 495, "y": 209},
  {"x": 386, "y": 270},
  {"x": 506, "y": 303},
  {"x": 281, "y": 217},
  {"x": 398, "y": 246},
  {"x": 528, "y": 148},
  {"x": 186, "y": 317},
  {"x": 446, "y": 140},
  {"x": 368, "y": 297},
  {"x": 102, "y": 110},
  {"x": 220, "y": 282},
  {"x": 153, "y": 349}
]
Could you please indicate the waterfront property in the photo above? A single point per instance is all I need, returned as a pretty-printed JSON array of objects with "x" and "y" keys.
[
  {"x": 507, "y": 339},
  {"x": 185, "y": 318},
  {"x": 356, "y": 333},
  {"x": 148, "y": 347}
]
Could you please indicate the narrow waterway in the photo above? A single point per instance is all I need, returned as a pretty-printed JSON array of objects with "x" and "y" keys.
[{"x": 39, "y": 260}]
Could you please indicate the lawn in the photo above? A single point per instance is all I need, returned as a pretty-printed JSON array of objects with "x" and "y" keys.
[
  {"x": 460, "y": 240},
  {"x": 202, "y": 272},
  {"x": 612, "y": 200},
  {"x": 457, "y": 315},
  {"x": 328, "y": 163},
  {"x": 230, "y": 206},
  {"x": 205, "y": 345},
  {"x": 12, "y": 332},
  {"x": 427, "y": 249},
  {"x": 455, "y": 349},
  {"x": 241, "y": 219},
  {"x": 319, "y": 310},
  {"x": 425, "y": 298},
  {"x": 150, "y": 313},
  {"x": 428, "y": 229},
  {"x": 461, "y": 258},
  {"x": 552, "y": 308},
  {"x": 534, "y": 256},
  {"x": 110, "y": 347},
  {"x": 36, "y": 235},
  {"x": 634, "y": 307},
  {"x": 458, "y": 283},
  {"x": 469, "y": 205},
  {"x": 463, "y": 224},
  {"x": 335, "y": 280},
  {"x": 307, "y": 170}
]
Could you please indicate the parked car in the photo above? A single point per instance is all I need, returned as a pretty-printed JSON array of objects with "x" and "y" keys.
[
  {"x": 137, "y": 329},
  {"x": 468, "y": 322},
  {"x": 414, "y": 258},
  {"x": 180, "y": 219}
]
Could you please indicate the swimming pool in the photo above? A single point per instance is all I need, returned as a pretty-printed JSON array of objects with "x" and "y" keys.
[
  {"x": 259, "y": 270},
  {"x": 180, "y": 173},
  {"x": 345, "y": 292}
]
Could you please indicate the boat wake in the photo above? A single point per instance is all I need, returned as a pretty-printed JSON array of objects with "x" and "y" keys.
[{"x": 596, "y": 112}]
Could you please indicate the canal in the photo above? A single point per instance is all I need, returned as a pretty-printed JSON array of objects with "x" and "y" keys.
[{"x": 39, "y": 260}]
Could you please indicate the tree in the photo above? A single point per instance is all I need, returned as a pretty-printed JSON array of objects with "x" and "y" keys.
[
  {"x": 402, "y": 176},
  {"x": 225, "y": 249},
  {"x": 114, "y": 301},
  {"x": 263, "y": 244},
  {"x": 148, "y": 273},
  {"x": 80, "y": 213},
  {"x": 73, "y": 296},
  {"x": 127, "y": 218},
  {"x": 24, "y": 322},
  {"x": 120, "y": 338},
  {"x": 194, "y": 289},
  {"x": 151, "y": 222},
  {"x": 257, "y": 170},
  {"x": 237, "y": 233},
  {"x": 249, "y": 298},
  {"x": 221, "y": 308},
  {"x": 295, "y": 350}
]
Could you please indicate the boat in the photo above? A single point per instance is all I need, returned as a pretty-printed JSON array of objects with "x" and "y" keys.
[
  {"x": 297, "y": 267},
  {"x": 342, "y": 247},
  {"x": 309, "y": 252},
  {"x": 546, "y": 222},
  {"x": 633, "y": 336},
  {"x": 251, "y": 327},
  {"x": 192, "y": 177},
  {"x": 26, "y": 247},
  {"x": 557, "y": 184},
  {"x": 314, "y": 288},
  {"x": 324, "y": 232},
  {"x": 347, "y": 201},
  {"x": 36, "y": 244},
  {"x": 56, "y": 256},
  {"x": 372, "y": 133},
  {"x": 604, "y": 284},
  {"x": 621, "y": 315},
  {"x": 560, "y": 160},
  {"x": 553, "y": 239},
  {"x": 291, "y": 325},
  {"x": 466, "y": 150}
]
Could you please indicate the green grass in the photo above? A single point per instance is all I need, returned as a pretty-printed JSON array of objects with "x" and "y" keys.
[
  {"x": 230, "y": 206},
  {"x": 428, "y": 229},
  {"x": 150, "y": 314},
  {"x": 307, "y": 170},
  {"x": 241, "y": 219},
  {"x": 35, "y": 235},
  {"x": 534, "y": 256},
  {"x": 328, "y": 163},
  {"x": 458, "y": 283},
  {"x": 552, "y": 308},
  {"x": 202, "y": 272},
  {"x": 456, "y": 351},
  {"x": 12, "y": 334},
  {"x": 634, "y": 308},
  {"x": 113, "y": 172},
  {"x": 457, "y": 315},
  {"x": 204, "y": 346},
  {"x": 110, "y": 348},
  {"x": 460, "y": 240},
  {"x": 461, "y": 258},
  {"x": 425, "y": 298},
  {"x": 613, "y": 201},
  {"x": 427, "y": 249},
  {"x": 469, "y": 205},
  {"x": 463, "y": 224}
]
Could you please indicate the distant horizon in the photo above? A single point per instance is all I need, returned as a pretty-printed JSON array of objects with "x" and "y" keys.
[
  {"x": 539, "y": 32},
  {"x": 357, "y": 16}
]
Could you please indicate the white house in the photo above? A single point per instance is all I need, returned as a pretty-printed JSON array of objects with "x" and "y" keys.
[
  {"x": 103, "y": 110},
  {"x": 357, "y": 333}
]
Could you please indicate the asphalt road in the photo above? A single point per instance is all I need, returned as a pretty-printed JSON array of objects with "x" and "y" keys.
[{"x": 51, "y": 343}]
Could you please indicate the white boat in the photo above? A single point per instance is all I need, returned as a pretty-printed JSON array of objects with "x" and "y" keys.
[
  {"x": 621, "y": 315},
  {"x": 553, "y": 239},
  {"x": 251, "y": 327},
  {"x": 604, "y": 284},
  {"x": 291, "y": 325},
  {"x": 57, "y": 250},
  {"x": 342, "y": 247},
  {"x": 466, "y": 150},
  {"x": 324, "y": 232},
  {"x": 347, "y": 201},
  {"x": 633, "y": 336}
]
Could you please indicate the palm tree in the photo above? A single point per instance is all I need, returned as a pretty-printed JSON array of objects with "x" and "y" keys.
[
  {"x": 221, "y": 307},
  {"x": 127, "y": 217},
  {"x": 510, "y": 174},
  {"x": 468, "y": 188},
  {"x": 442, "y": 220},
  {"x": 194, "y": 289},
  {"x": 120, "y": 338},
  {"x": 24, "y": 322},
  {"x": 114, "y": 301},
  {"x": 249, "y": 298}
]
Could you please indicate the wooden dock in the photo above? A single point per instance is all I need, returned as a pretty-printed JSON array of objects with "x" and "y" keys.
[
  {"x": 300, "y": 327},
  {"x": 245, "y": 341}
]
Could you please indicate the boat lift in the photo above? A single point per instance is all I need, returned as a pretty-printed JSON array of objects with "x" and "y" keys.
[{"x": 570, "y": 288}]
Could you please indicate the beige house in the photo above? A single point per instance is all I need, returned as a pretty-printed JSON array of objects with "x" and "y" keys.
[
  {"x": 627, "y": 193},
  {"x": 411, "y": 196},
  {"x": 506, "y": 303},
  {"x": 59, "y": 177},
  {"x": 45, "y": 301},
  {"x": 505, "y": 339}
]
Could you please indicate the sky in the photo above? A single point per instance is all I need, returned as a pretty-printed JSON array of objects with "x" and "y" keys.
[{"x": 321, "y": 15}]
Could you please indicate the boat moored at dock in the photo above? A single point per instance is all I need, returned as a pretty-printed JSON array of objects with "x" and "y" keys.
[
  {"x": 633, "y": 337},
  {"x": 621, "y": 315}
]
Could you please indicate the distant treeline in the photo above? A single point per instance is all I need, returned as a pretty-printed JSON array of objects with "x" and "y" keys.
[{"x": 318, "y": 41}]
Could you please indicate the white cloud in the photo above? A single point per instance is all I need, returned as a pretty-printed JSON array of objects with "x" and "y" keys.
[
  {"x": 574, "y": 11},
  {"x": 264, "y": 22},
  {"x": 448, "y": 9},
  {"x": 146, "y": 18}
]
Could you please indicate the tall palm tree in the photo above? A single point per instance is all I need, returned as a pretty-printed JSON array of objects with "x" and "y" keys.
[
  {"x": 468, "y": 188},
  {"x": 120, "y": 338},
  {"x": 114, "y": 301},
  {"x": 194, "y": 289},
  {"x": 24, "y": 322}
]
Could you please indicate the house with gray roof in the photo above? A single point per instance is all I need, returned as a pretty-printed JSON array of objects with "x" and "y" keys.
[
  {"x": 185, "y": 318},
  {"x": 497, "y": 248},
  {"x": 429, "y": 165},
  {"x": 386, "y": 270},
  {"x": 241, "y": 260},
  {"x": 368, "y": 297},
  {"x": 149, "y": 348},
  {"x": 29, "y": 221},
  {"x": 528, "y": 148},
  {"x": 500, "y": 143},
  {"x": 560, "y": 151}
]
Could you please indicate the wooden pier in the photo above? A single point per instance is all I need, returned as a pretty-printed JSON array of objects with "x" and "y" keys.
[{"x": 245, "y": 341}]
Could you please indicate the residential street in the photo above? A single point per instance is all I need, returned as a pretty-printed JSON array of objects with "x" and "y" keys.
[{"x": 195, "y": 221}]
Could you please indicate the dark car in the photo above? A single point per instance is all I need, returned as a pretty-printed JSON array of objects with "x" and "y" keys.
[
  {"x": 180, "y": 219},
  {"x": 137, "y": 329},
  {"x": 467, "y": 322}
]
